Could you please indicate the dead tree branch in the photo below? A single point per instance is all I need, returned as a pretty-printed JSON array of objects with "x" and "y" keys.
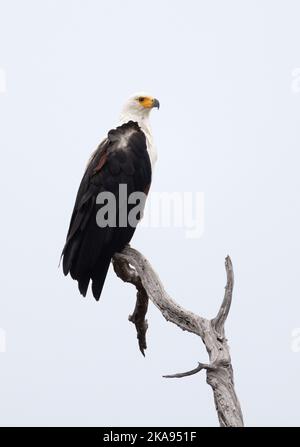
[{"x": 131, "y": 266}]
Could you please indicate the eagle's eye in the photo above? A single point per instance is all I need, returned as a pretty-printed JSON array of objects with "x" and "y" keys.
[{"x": 141, "y": 99}]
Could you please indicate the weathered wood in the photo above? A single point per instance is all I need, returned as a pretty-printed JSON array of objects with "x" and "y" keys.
[{"x": 131, "y": 266}]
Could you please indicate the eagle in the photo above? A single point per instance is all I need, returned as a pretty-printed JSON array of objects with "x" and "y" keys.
[{"x": 125, "y": 158}]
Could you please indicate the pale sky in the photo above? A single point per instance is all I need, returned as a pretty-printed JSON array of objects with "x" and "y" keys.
[{"x": 226, "y": 77}]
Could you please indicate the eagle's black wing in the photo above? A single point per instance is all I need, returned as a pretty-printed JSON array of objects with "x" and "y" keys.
[{"x": 122, "y": 158}]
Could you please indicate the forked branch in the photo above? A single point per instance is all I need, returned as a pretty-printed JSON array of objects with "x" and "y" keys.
[{"x": 131, "y": 266}]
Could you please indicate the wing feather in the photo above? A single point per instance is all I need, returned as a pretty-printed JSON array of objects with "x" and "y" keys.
[{"x": 89, "y": 248}]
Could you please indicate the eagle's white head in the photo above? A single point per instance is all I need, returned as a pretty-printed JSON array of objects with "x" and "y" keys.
[{"x": 138, "y": 107}]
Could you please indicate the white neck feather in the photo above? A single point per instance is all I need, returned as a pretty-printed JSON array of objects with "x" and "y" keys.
[{"x": 143, "y": 121}]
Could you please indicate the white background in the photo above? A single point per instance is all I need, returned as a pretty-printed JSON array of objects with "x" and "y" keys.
[{"x": 228, "y": 126}]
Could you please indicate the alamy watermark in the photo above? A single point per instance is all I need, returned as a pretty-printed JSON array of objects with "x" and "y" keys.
[
  {"x": 176, "y": 210},
  {"x": 295, "y": 85},
  {"x": 295, "y": 340},
  {"x": 2, "y": 340},
  {"x": 163, "y": 210},
  {"x": 3, "y": 84}
]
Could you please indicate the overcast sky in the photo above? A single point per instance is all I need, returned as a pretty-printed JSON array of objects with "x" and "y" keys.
[{"x": 226, "y": 77}]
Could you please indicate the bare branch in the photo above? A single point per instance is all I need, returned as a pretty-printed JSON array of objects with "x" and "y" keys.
[
  {"x": 188, "y": 373},
  {"x": 171, "y": 311},
  {"x": 220, "y": 319},
  {"x": 139, "y": 320},
  {"x": 131, "y": 266}
]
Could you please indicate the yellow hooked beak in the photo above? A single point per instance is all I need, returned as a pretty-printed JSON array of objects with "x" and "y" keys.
[{"x": 148, "y": 102}]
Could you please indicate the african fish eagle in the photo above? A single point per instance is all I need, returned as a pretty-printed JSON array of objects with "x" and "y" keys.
[{"x": 125, "y": 157}]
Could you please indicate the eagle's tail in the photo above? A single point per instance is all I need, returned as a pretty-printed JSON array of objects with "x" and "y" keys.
[{"x": 97, "y": 274}]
